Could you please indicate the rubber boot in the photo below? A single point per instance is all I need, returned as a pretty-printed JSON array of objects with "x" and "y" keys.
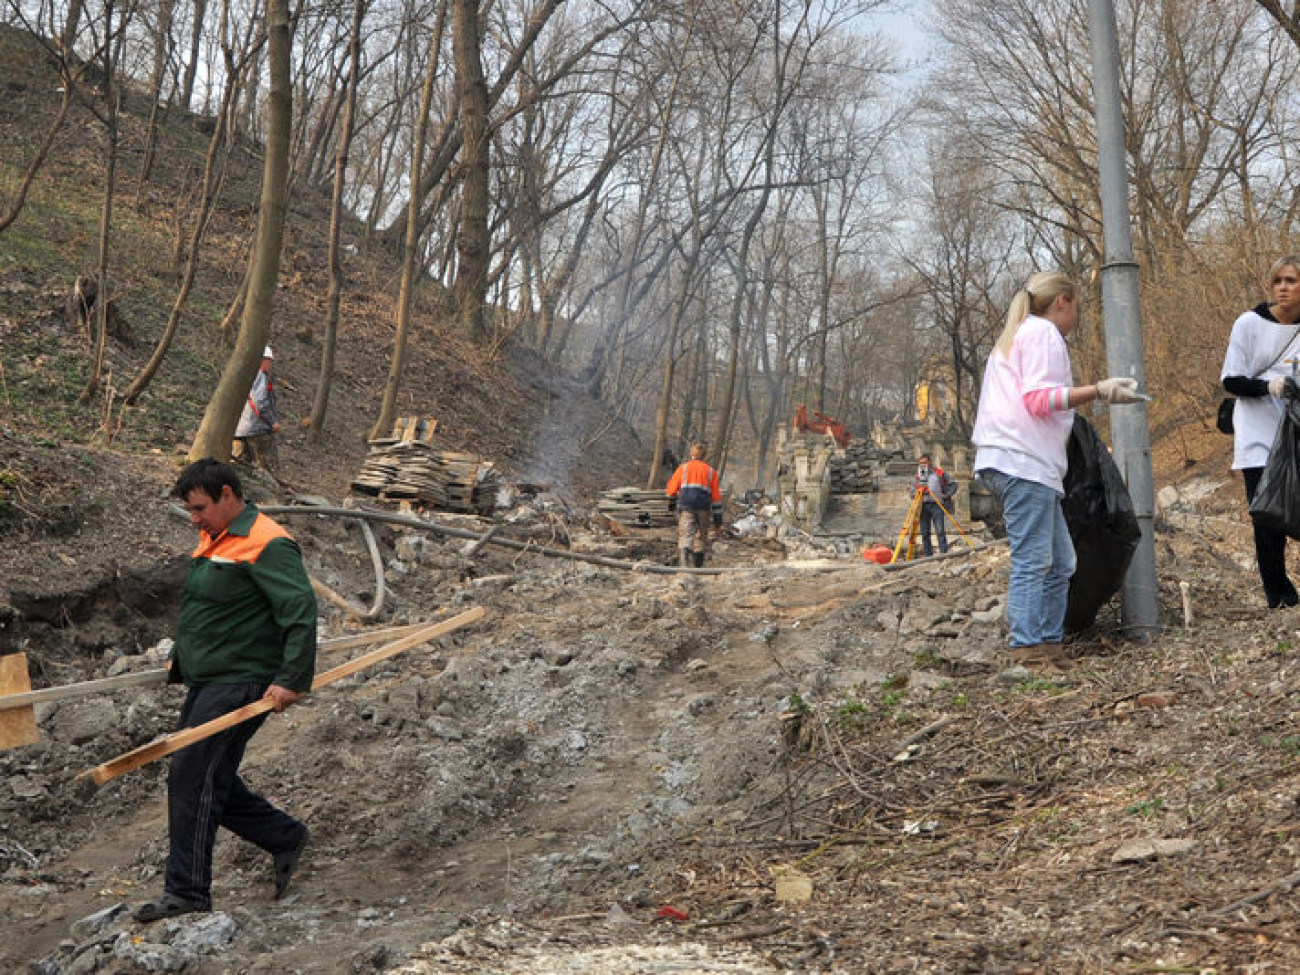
[
  {"x": 684, "y": 558},
  {"x": 699, "y": 559}
]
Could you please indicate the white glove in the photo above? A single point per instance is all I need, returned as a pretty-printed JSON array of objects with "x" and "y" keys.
[
  {"x": 1277, "y": 386},
  {"x": 1119, "y": 390}
]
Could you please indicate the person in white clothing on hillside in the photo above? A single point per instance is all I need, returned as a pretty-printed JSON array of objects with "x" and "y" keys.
[
  {"x": 1256, "y": 368},
  {"x": 259, "y": 423},
  {"x": 1022, "y": 426}
]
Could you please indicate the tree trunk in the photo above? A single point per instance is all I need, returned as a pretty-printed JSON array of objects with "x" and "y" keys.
[
  {"x": 473, "y": 243},
  {"x": 410, "y": 251},
  {"x": 207, "y": 201},
  {"x": 316, "y": 424},
  {"x": 162, "y": 48},
  {"x": 222, "y": 414},
  {"x": 664, "y": 409},
  {"x": 192, "y": 63},
  {"x": 68, "y": 39},
  {"x": 20, "y": 197},
  {"x": 111, "y": 106}
]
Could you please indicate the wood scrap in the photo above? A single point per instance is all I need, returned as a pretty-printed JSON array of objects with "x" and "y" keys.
[
  {"x": 177, "y": 740},
  {"x": 17, "y": 727},
  {"x": 412, "y": 470},
  {"x": 635, "y": 508}
]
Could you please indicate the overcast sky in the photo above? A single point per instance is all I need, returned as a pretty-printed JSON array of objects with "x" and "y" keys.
[{"x": 903, "y": 27}]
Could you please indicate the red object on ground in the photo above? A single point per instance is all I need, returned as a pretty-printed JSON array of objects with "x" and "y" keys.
[
  {"x": 672, "y": 914},
  {"x": 880, "y": 554}
]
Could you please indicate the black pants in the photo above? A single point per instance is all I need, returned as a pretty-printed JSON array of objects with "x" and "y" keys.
[
  {"x": 932, "y": 514},
  {"x": 1270, "y": 552},
  {"x": 204, "y": 791}
]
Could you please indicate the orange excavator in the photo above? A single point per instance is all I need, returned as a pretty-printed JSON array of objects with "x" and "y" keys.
[{"x": 821, "y": 423}]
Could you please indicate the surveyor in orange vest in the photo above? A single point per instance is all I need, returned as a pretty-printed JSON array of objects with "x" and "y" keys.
[{"x": 695, "y": 492}]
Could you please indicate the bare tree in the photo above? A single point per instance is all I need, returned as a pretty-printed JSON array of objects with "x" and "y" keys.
[
  {"x": 473, "y": 243},
  {"x": 198, "y": 12},
  {"x": 330, "y": 330},
  {"x": 222, "y": 414},
  {"x": 235, "y": 65},
  {"x": 162, "y": 56},
  {"x": 410, "y": 252},
  {"x": 115, "y": 23},
  {"x": 970, "y": 265}
]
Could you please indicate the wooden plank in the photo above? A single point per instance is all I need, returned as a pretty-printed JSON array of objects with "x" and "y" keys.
[
  {"x": 367, "y": 637},
  {"x": 103, "y": 685},
  {"x": 177, "y": 740},
  {"x": 81, "y": 689},
  {"x": 18, "y": 726}
]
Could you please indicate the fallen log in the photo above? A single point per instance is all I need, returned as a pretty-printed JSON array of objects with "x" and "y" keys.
[
  {"x": 409, "y": 521},
  {"x": 177, "y": 740}
]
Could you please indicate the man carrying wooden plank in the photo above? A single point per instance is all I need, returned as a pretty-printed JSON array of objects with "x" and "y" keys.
[{"x": 246, "y": 632}]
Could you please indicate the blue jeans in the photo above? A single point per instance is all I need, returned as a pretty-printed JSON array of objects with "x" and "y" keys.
[
  {"x": 932, "y": 514},
  {"x": 1042, "y": 558}
]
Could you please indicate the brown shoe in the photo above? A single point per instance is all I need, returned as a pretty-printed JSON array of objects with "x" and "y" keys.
[{"x": 1051, "y": 656}]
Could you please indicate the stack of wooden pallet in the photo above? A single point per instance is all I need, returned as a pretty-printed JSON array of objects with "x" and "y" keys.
[
  {"x": 405, "y": 467},
  {"x": 635, "y": 508}
]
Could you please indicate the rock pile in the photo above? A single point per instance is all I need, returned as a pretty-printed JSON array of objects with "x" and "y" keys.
[{"x": 853, "y": 470}]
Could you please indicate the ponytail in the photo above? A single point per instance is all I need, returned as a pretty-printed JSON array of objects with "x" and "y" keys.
[{"x": 1033, "y": 299}]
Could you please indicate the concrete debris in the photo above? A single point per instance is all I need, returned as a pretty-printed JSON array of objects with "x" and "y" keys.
[
  {"x": 84, "y": 721},
  {"x": 1143, "y": 850},
  {"x": 479, "y": 953}
]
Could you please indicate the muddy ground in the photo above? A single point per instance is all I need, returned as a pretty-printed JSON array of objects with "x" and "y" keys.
[{"x": 817, "y": 765}]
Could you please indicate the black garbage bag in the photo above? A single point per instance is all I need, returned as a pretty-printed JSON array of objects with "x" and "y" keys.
[
  {"x": 1277, "y": 498},
  {"x": 1103, "y": 525}
]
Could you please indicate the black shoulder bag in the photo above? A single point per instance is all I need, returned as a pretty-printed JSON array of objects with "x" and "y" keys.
[{"x": 1226, "y": 406}]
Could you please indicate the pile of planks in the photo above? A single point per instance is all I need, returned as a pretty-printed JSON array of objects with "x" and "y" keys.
[
  {"x": 635, "y": 508},
  {"x": 411, "y": 470}
]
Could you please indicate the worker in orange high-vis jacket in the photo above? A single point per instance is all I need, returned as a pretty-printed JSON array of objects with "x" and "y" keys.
[{"x": 695, "y": 491}]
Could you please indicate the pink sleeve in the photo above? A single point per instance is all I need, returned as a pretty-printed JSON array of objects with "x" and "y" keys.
[{"x": 1041, "y": 402}]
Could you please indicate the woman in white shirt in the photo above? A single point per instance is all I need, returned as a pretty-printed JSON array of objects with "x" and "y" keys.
[
  {"x": 1264, "y": 342},
  {"x": 1026, "y": 411}
]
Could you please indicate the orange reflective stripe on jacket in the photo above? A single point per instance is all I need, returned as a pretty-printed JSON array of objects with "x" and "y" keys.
[{"x": 240, "y": 548}]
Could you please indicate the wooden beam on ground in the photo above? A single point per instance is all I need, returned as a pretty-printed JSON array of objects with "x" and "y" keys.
[
  {"x": 177, "y": 740},
  {"x": 474, "y": 547},
  {"x": 85, "y": 688},
  {"x": 25, "y": 698}
]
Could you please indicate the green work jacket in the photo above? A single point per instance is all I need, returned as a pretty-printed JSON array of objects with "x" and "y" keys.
[{"x": 248, "y": 612}]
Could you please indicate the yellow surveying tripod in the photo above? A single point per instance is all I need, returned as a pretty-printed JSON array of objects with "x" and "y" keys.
[{"x": 912, "y": 524}]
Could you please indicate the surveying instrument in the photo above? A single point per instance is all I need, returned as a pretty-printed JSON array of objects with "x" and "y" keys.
[{"x": 912, "y": 525}]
